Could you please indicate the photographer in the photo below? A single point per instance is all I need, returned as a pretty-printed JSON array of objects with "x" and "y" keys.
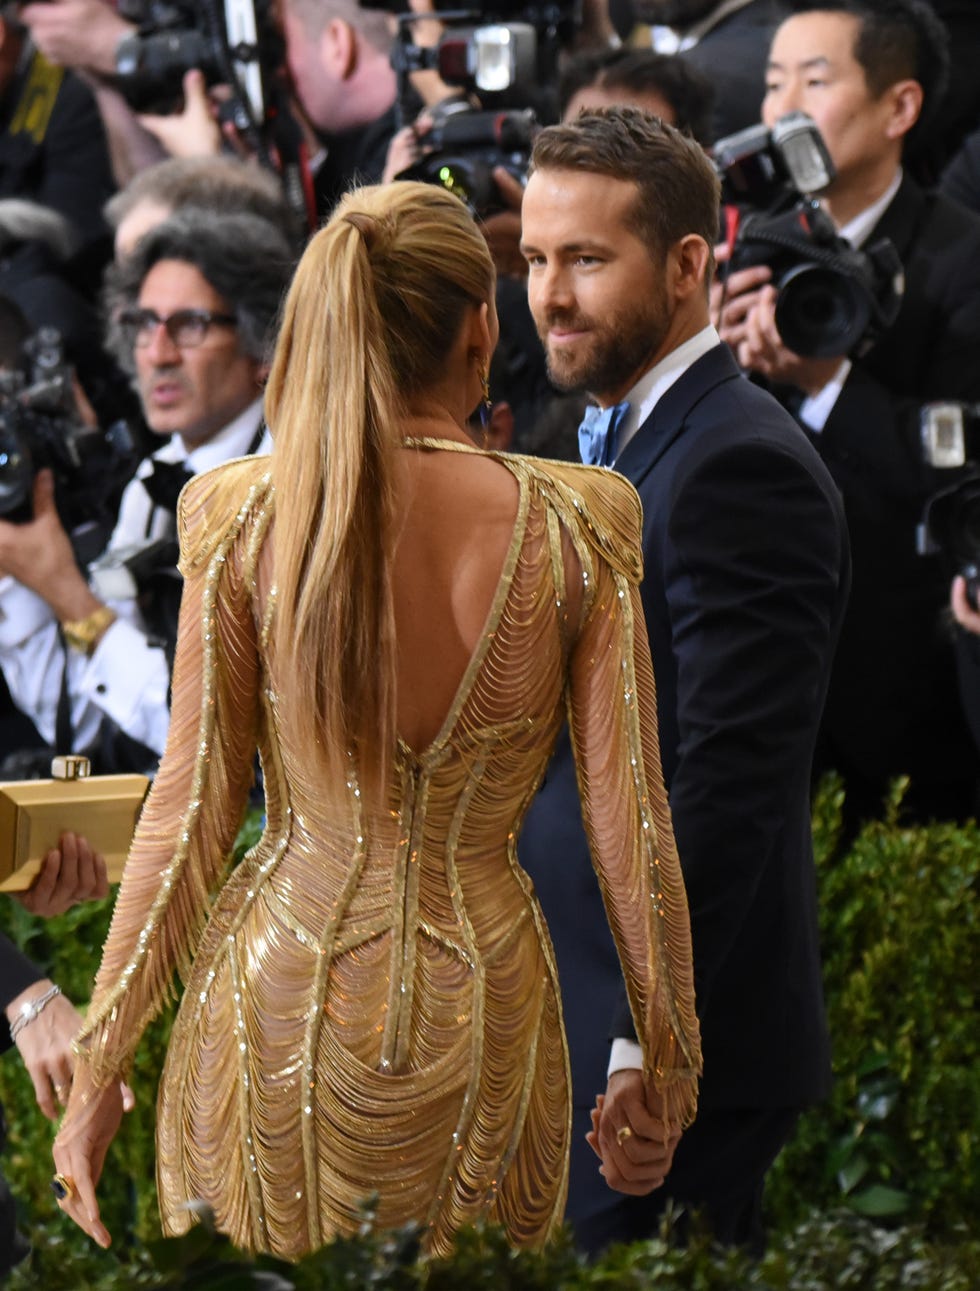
[
  {"x": 338, "y": 56},
  {"x": 867, "y": 72},
  {"x": 88, "y": 658},
  {"x": 55, "y": 176}
]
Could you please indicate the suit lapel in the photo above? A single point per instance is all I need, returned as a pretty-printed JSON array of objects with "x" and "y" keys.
[
  {"x": 667, "y": 420},
  {"x": 901, "y": 218}
]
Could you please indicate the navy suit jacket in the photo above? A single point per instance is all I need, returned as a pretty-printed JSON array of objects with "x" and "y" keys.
[{"x": 746, "y": 569}]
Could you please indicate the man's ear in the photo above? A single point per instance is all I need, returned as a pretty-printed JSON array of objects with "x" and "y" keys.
[
  {"x": 339, "y": 49},
  {"x": 500, "y": 431},
  {"x": 905, "y": 98},
  {"x": 688, "y": 262}
]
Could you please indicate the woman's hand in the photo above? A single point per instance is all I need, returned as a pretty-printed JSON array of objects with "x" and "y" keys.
[{"x": 90, "y": 1125}]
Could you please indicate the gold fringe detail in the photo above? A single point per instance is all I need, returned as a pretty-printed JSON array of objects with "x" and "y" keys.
[{"x": 371, "y": 997}]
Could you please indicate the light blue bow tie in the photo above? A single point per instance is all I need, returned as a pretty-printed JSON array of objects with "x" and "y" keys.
[{"x": 598, "y": 435}]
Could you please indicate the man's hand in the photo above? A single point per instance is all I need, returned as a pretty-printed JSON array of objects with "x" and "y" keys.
[
  {"x": 731, "y": 300},
  {"x": 192, "y": 132},
  {"x": 70, "y": 873},
  {"x": 963, "y": 611},
  {"x": 630, "y": 1137},
  {"x": 503, "y": 230},
  {"x": 45, "y": 1046},
  {"x": 762, "y": 350},
  {"x": 77, "y": 33},
  {"x": 39, "y": 555}
]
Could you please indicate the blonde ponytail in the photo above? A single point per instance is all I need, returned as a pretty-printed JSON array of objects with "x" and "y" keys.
[{"x": 377, "y": 299}]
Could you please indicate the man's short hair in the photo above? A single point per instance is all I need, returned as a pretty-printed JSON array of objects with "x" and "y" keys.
[
  {"x": 898, "y": 40},
  {"x": 221, "y": 185},
  {"x": 246, "y": 260},
  {"x": 678, "y": 190},
  {"x": 643, "y": 71},
  {"x": 315, "y": 15}
]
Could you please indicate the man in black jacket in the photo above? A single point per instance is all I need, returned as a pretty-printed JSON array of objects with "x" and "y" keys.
[
  {"x": 867, "y": 71},
  {"x": 745, "y": 575}
]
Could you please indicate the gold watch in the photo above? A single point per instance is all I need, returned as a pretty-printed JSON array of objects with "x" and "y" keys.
[{"x": 85, "y": 634}]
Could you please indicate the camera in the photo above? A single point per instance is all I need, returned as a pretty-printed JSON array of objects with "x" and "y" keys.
[
  {"x": 950, "y": 526},
  {"x": 503, "y": 55},
  {"x": 232, "y": 42},
  {"x": 39, "y": 428},
  {"x": 467, "y": 144},
  {"x": 832, "y": 299}
]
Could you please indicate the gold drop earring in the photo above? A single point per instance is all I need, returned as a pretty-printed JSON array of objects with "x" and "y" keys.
[{"x": 487, "y": 404}]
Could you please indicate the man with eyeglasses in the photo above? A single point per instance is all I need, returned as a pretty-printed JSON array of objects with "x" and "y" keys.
[{"x": 87, "y": 655}]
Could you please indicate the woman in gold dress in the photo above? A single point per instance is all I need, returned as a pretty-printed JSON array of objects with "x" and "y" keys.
[{"x": 399, "y": 623}]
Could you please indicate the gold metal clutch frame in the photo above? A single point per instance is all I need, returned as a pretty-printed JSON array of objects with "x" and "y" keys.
[{"x": 35, "y": 813}]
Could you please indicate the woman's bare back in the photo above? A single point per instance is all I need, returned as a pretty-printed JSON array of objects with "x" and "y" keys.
[{"x": 458, "y": 512}]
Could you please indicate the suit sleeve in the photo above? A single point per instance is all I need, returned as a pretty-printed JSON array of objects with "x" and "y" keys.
[
  {"x": 613, "y": 722},
  {"x": 194, "y": 808},
  {"x": 753, "y": 570}
]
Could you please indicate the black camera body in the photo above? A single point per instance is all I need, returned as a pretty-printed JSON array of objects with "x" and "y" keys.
[
  {"x": 503, "y": 54},
  {"x": 466, "y": 146},
  {"x": 832, "y": 299},
  {"x": 231, "y": 42},
  {"x": 950, "y": 526},
  {"x": 39, "y": 428}
]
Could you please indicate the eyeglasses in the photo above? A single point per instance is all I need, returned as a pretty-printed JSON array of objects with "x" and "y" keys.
[{"x": 185, "y": 327}]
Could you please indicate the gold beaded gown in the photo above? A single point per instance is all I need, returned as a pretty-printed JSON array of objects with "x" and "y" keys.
[{"x": 371, "y": 1001}]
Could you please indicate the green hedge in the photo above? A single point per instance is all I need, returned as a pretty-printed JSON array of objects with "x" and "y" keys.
[
  {"x": 901, "y": 944},
  {"x": 894, "y": 1147}
]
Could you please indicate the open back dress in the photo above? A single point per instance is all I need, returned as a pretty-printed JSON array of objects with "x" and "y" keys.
[{"x": 370, "y": 1000}]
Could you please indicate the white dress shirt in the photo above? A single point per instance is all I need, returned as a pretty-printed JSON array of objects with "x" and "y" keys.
[{"x": 677, "y": 40}]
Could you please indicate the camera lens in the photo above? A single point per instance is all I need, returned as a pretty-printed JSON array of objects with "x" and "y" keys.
[
  {"x": 16, "y": 471},
  {"x": 820, "y": 312}
]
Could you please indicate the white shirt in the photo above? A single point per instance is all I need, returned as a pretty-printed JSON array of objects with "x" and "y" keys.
[
  {"x": 676, "y": 40},
  {"x": 655, "y": 383},
  {"x": 127, "y": 677}
]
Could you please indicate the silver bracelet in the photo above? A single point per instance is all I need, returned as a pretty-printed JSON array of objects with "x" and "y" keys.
[{"x": 30, "y": 1010}]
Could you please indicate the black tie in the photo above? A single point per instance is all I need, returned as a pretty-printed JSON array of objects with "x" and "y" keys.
[{"x": 164, "y": 483}]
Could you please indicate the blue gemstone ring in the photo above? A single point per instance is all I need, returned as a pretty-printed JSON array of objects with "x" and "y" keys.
[{"x": 62, "y": 1187}]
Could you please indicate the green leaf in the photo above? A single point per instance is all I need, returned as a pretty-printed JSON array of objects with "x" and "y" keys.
[
  {"x": 852, "y": 1172},
  {"x": 880, "y": 1201}
]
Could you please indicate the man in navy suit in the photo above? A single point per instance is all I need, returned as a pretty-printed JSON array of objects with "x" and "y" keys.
[{"x": 746, "y": 573}]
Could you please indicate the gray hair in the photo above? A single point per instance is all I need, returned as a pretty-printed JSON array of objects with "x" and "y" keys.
[
  {"x": 246, "y": 260},
  {"x": 25, "y": 221},
  {"x": 223, "y": 185}
]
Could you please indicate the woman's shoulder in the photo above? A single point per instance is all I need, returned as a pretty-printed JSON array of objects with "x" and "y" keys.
[
  {"x": 220, "y": 500},
  {"x": 600, "y": 504}
]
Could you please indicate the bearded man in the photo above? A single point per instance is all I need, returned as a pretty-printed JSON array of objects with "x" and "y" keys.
[{"x": 746, "y": 570}]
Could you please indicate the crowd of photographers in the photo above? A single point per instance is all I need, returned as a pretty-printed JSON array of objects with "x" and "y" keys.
[{"x": 849, "y": 284}]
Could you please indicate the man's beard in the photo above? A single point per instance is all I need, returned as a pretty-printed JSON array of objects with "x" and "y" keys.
[{"x": 613, "y": 354}]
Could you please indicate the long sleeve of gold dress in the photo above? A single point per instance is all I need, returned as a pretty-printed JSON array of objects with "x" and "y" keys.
[{"x": 370, "y": 999}]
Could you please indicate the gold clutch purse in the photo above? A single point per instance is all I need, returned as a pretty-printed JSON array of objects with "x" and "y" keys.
[{"x": 35, "y": 813}]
